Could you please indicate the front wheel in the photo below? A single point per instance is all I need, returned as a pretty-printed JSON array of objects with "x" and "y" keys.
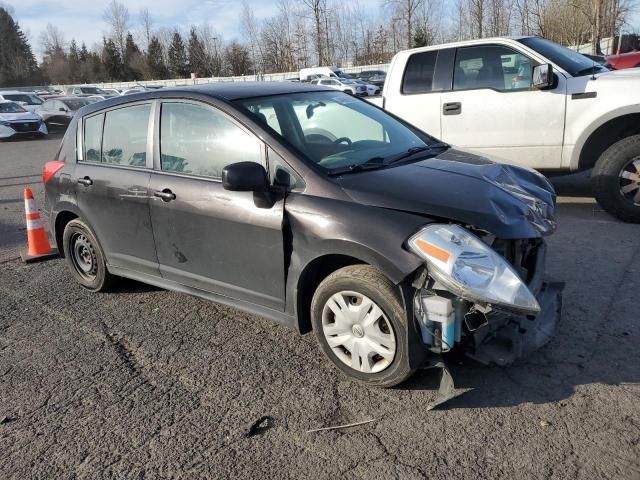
[
  {"x": 616, "y": 179},
  {"x": 361, "y": 325}
]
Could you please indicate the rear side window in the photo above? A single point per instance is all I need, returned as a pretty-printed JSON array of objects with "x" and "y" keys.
[
  {"x": 124, "y": 140},
  {"x": 198, "y": 140},
  {"x": 93, "y": 137},
  {"x": 418, "y": 76}
]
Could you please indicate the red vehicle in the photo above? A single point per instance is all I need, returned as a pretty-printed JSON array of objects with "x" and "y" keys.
[{"x": 624, "y": 60}]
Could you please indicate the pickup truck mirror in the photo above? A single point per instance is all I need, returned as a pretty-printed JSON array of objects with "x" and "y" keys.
[
  {"x": 245, "y": 177},
  {"x": 542, "y": 76}
]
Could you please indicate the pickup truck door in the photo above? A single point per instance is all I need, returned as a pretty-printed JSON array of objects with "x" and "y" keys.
[{"x": 493, "y": 110}]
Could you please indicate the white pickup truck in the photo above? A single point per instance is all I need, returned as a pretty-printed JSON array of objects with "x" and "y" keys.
[{"x": 530, "y": 102}]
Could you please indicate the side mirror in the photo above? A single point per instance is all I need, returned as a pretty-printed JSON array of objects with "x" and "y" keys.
[
  {"x": 245, "y": 177},
  {"x": 542, "y": 76},
  {"x": 62, "y": 109}
]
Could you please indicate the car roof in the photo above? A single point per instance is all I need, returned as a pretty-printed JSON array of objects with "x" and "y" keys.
[
  {"x": 239, "y": 90},
  {"x": 14, "y": 92},
  {"x": 227, "y": 91},
  {"x": 67, "y": 97}
]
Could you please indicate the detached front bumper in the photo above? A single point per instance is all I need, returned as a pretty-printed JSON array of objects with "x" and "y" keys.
[{"x": 512, "y": 337}]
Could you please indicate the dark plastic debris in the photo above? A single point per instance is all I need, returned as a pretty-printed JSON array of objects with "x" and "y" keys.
[{"x": 260, "y": 426}]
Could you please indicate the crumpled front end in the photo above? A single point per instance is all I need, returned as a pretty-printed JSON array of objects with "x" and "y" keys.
[{"x": 486, "y": 332}]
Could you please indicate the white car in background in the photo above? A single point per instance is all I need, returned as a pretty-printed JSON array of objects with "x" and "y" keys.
[
  {"x": 371, "y": 89},
  {"x": 15, "y": 121},
  {"x": 342, "y": 84},
  {"x": 29, "y": 100}
]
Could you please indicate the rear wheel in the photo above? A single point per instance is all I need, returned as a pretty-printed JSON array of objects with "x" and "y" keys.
[
  {"x": 361, "y": 325},
  {"x": 616, "y": 179},
  {"x": 85, "y": 257}
]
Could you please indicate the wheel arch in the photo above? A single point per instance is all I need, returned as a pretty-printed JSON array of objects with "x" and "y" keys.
[
  {"x": 62, "y": 218},
  {"x": 603, "y": 134},
  {"x": 311, "y": 276}
]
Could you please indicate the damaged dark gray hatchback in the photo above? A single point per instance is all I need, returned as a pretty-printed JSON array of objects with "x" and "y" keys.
[{"x": 313, "y": 208}]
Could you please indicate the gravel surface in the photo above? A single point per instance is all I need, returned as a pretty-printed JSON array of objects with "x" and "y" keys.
[{"x": 144, "y": 383}]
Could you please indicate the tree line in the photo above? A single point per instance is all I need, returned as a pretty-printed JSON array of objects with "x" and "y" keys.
[{"x": 300, "y": 33}]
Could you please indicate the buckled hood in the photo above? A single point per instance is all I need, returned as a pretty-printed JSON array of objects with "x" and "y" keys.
[{"x": 507, "y": 201}]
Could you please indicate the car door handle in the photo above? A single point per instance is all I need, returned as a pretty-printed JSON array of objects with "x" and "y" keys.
[
  {"x": 86, "y": 181},
  {"x": 452, "y": 108},
  {"x": 166, "y": 195}
]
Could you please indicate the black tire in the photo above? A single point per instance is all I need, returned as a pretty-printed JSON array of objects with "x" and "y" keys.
[
  {"x": 370, "y": 282},
  {"x": 606, "y": 182},
  {"x": 81, "y": 249}
]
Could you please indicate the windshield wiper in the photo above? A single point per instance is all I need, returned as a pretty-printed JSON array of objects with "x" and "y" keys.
[
  {"x": 372, "y": 163},
  {"x": 591, "y": 69},
  {"x": 413, "y": 150}
]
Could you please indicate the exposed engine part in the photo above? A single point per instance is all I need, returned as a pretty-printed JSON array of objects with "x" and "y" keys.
[
  {"x": 474, "y": 319},
  {"x": 440, "y": 315}
]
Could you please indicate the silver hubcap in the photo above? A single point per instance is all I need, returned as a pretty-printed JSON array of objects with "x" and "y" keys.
[
  {"x": 358, "y": 332},
  {"x": 630, "y": 181}
]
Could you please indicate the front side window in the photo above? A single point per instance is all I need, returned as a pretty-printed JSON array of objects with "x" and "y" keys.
[
  {"x": 336, "y": 131},
  {"x": 124, "y": 140},
  {"x": 93, "y": 137},
  {"x": 491, "y": 66},
  {"x": 199, "y": 140},
  {"x": 418, "y": 76}
]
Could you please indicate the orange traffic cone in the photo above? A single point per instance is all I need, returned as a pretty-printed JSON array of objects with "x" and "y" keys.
[{"x": 38, "y": 247}]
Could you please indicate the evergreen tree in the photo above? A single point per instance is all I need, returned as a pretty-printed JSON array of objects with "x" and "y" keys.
[
  {"x": 74, "y": 62},
  {"x": 111, "y": 60},
  {"x": 155, "y": 60},
  {"x": 132, "y": 61},
  {"x": 178, "y": 67},
  {"x": 197, "y": 55},
  {"x": 421, "y": 37},
  {"x": 17, "y": 64}
]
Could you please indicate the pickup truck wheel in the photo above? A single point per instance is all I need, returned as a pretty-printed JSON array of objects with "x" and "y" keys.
[
  {"x": 616, "y": 179},
  {"x": 361, "y": 325}
]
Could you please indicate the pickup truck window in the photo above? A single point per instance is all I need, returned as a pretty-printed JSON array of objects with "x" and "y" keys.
[
  {"x": 418, "y": 76},
  {"x": 491, "y": 66}
]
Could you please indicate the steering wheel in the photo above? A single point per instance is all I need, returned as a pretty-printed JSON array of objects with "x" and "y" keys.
[{"x": 343, "y": 139}]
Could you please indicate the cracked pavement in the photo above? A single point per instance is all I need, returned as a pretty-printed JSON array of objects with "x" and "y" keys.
[{"x": 145, "y": 383}]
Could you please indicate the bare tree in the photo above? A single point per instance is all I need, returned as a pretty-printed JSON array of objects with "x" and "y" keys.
[
  {"x": 52, "y": 39},
  {"x": 316, "y": 12},
  {"x": 407, "y": 11},
  {"x": 146, "y": 24},
  {"x": 117, "y": 17}
]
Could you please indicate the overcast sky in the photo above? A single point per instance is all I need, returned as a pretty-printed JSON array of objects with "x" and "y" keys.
[{"x": 82, "y": 19}]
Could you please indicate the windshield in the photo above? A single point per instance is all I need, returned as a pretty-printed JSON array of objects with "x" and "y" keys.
[
  {"x": 11, "y": 107},
  {"x": 23, "y": 97},
  {"x": 76, "y": 104},
  {"x": 335, "y": 130},
  {"x": 572, "y": 62},
  {"x": 93, "y": 90}
]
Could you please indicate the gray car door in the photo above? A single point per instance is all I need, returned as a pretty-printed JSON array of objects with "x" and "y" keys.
[
  {"x": 206, "y": 237},
  {"x": 112, "y": 175}
]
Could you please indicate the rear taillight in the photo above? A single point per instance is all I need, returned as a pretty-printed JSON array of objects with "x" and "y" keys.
[{"x": 50, "y": 168}]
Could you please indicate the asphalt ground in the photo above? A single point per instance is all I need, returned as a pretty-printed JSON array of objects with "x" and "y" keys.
[{"x": 145, "y": 383}]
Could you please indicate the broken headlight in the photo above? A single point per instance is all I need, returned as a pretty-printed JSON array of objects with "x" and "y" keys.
[{"x": 469, "y": 268}]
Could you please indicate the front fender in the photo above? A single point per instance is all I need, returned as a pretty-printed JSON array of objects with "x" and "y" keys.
[
  {"x": 581, "y": 139},
  {"x": 318, "y": 227}
]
